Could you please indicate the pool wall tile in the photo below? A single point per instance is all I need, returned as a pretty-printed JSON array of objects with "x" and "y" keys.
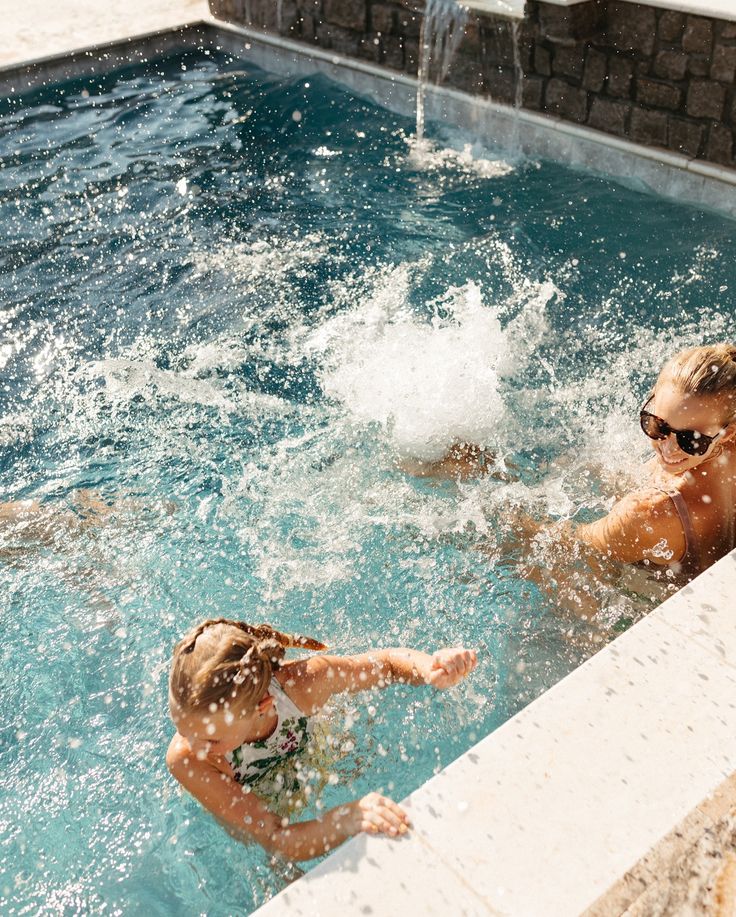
[{"x": 623, "y": 68}]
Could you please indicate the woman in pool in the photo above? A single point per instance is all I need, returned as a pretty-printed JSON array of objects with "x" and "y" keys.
[
  {"x": 686, "y": 515},
  {"x": 240, "y": 711}
]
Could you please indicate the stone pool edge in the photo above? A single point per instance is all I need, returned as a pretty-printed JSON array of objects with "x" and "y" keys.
[{"x": 554, "y": 807}]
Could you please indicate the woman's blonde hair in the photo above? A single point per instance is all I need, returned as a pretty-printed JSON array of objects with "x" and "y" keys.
[
  {"x": 709, "y": 370},
  {"x": 222, "y": 661}
]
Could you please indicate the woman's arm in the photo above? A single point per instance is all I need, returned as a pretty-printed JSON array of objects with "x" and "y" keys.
[
  {"x": 643, "y": 526},
  {"x": 464, "y": 460},
  {"x": 247, "y": 817},
  {"x": 312, "y": 682}
]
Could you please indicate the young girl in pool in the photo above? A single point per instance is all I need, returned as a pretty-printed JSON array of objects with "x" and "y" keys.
[
  {"x": 240, "y": 710},
  {"x": 685, "y": 517}
]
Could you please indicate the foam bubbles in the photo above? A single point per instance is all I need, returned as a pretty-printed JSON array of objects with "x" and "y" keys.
[
  {"x": 429, "y": 156},
  {"x": 265, "y": 260}
]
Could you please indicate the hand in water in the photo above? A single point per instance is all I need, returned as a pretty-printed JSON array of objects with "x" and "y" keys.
[{"x": 450, "y": 666}]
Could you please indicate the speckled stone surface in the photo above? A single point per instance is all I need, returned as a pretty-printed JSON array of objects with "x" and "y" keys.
[
  {"x": 36, "y": 29},
  {"x": 724, "y": 9}
]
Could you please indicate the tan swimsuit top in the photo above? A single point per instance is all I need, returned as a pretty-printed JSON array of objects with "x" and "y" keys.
[{"x": 695, "y": 559}]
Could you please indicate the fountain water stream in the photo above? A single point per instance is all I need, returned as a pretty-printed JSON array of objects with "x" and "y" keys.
[
  {"x": 518, "y": 72},
  {"x": 442, "y": 29},
  {"x": 443, "y": 26}
]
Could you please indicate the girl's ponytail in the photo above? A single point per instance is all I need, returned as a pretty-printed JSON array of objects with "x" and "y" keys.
[
  {"x": 222, "y": 661},
  {"x": 265, "y": 633}
]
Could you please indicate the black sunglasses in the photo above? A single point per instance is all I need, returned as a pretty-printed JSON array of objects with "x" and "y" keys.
[{"x": 690, "y": 441}]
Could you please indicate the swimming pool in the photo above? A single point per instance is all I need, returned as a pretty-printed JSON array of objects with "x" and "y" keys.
[{"x": 233, "y": 302}]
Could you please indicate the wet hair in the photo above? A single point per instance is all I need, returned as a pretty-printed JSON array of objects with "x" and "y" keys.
[
  {"x": 709, "y": 370},
  {"x": 222, "y": 661}
]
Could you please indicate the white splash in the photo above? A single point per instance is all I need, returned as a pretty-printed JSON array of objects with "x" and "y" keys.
[
  {"x": 434, "y": 383},
  {"x": 267, "y": 258},
  {"x": 137, "y": 376},
  {"x": 429, "y": 156}
]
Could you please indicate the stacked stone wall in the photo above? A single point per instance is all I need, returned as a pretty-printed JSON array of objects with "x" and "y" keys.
[{"x": 654, "y": 76}]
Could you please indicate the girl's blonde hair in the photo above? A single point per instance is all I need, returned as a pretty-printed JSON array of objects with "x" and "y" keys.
[
  {"x": 709, "y": 370},
  {"x": 223, "y": 661}
]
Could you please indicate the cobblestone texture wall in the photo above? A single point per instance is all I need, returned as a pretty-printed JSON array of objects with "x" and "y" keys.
[{"x": 654, "y": 76}]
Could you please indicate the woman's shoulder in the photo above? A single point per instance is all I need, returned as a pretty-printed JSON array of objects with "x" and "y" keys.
[
  {"x": 649, "y": 499},
  {"x": 643, "y": 525}
]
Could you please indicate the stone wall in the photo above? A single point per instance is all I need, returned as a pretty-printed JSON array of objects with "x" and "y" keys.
[{"x": 654, "y": 76}]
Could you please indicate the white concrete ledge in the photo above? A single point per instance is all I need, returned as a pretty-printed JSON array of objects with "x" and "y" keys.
[
  {"x": 38, "y": 29},
  {"x": 545, "y": 814},
  {"x": 512, "y": 9},
  {"x": 718, "y": 9}
]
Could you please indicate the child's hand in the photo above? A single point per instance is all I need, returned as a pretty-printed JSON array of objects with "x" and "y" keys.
[
  {"x": 376, "y": 814},
  {"x": 450, "y": 666}
]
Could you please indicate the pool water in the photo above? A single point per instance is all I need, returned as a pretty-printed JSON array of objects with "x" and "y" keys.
[{"x": 234, "y": 306}]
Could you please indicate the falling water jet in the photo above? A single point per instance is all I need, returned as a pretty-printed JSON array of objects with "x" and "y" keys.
[
  {"x": 443, "y": 27},
  {"x": 518, "y": 85},
  {"x": 518, "y": 72}
]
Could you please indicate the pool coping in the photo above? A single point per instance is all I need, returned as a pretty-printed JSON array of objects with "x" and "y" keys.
[
  {"x": 712, "y": 8},
  {"x": 514, "y": 9},
  {"x": 650, "y": 716}
]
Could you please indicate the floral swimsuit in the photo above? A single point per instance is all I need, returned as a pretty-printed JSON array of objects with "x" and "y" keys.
[{"x": 253, "y": 760}]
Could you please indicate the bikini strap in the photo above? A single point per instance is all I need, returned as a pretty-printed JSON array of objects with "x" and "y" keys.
[
  {"x": 691, "y": 541},
  {"x": 285, "y": 706}
]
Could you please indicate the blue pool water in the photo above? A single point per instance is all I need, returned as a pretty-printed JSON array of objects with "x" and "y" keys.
[{"x": 233, "y": 305}]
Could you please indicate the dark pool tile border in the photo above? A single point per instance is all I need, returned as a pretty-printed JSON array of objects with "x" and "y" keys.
[{"x": 40, "y": 73}]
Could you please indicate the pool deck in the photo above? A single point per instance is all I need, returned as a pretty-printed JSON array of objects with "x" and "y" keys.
[
  {"x": 588, "y": 797},
  {"x": 39, "y": 29}
]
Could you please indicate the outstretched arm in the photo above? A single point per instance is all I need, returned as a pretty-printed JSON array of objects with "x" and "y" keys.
[
  {"x": 248, "y": 818},
  {"x": 312, "y": 682},
  {"x": 464, "y": 460}
]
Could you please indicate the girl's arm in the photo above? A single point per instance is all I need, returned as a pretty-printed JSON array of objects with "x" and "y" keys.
[
  {"x": 312, "y": 682},
  {"x": 249, "y": 819}
]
